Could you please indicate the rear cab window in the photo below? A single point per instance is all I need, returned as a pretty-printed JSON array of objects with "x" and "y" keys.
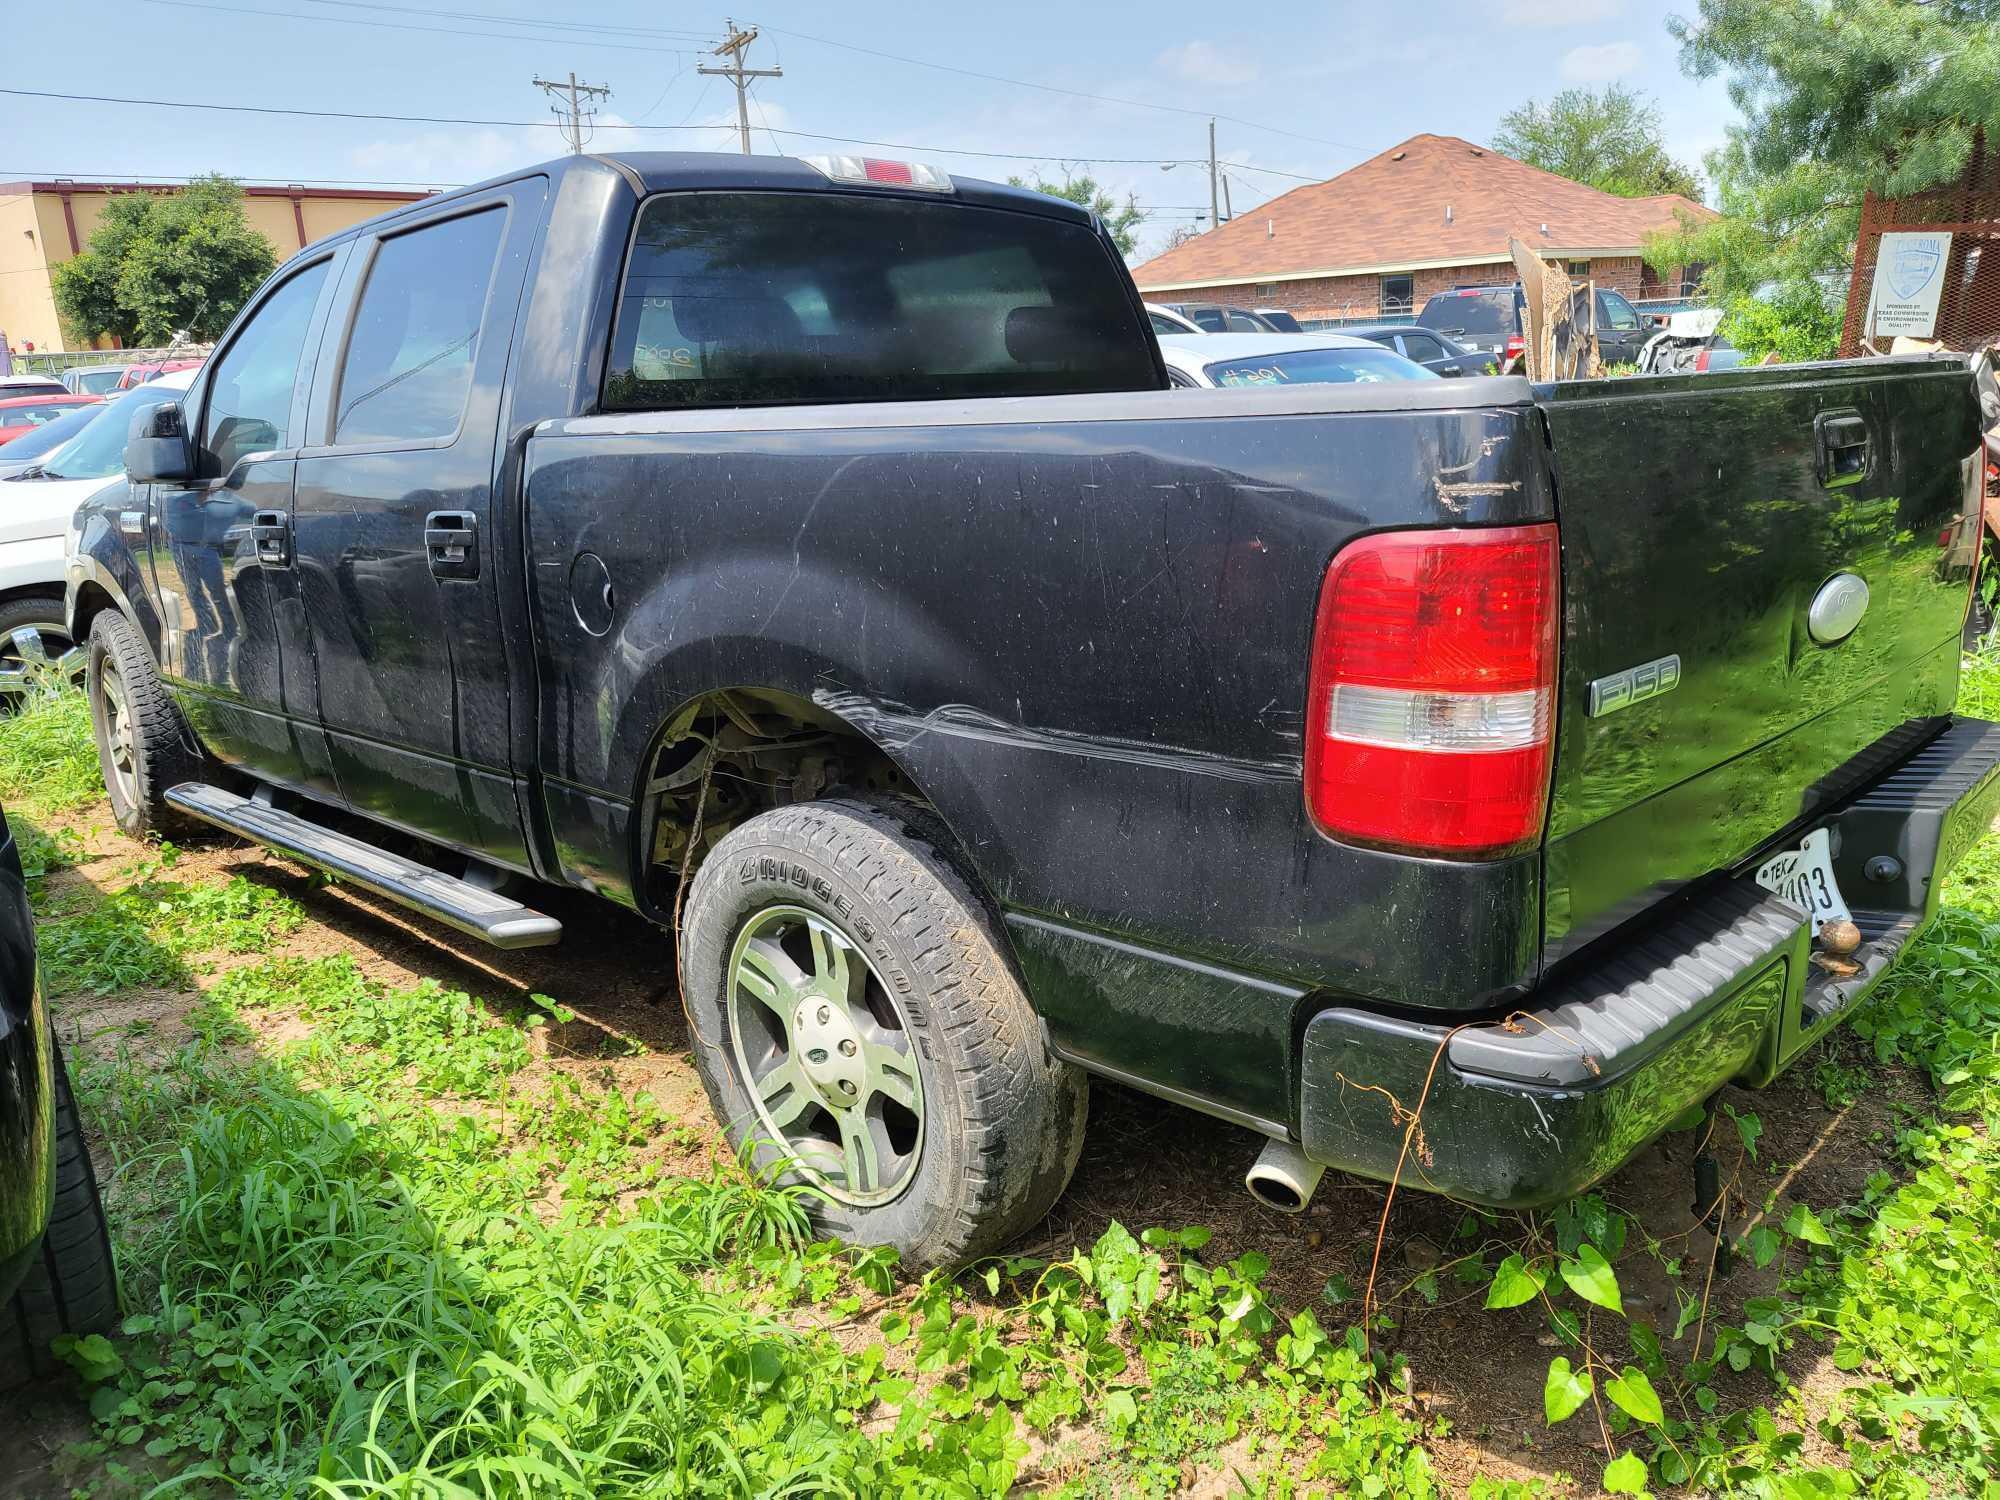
[
  {"x": 1481, "y": 314},
  {"x": 762, "y": 298}
]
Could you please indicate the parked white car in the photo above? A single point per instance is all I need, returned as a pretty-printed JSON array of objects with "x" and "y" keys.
[
  {"x": 35, "y": 509},
  {"x": 1233, "y": 359},
  {"x": 1166, "y": 320}
]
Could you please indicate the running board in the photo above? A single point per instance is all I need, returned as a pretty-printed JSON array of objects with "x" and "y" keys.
[{"x": 487, "y": 915}]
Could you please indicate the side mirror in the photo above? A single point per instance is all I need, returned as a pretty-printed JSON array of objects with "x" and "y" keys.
[
  {"x": 157, "y": 450},
  {"x": 1451, "y": 372}
]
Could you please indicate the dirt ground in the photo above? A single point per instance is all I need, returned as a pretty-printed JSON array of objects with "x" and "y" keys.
[{"x": 1145, "y": 1163}]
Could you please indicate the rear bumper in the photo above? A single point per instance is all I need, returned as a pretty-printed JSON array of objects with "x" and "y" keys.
[{"x": 1534, "y": 1109}]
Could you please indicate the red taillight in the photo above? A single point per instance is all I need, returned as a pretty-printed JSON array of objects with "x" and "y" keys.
[
  {"x": 1431, "y": 710},
  {"x": 1514, "y": 347},
  {"x": 879, "y": 170},
  {"x": 1701, "y": 360}
]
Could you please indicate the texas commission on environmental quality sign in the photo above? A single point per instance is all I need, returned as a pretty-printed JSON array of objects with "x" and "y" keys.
[{"x": 1909, "y": 276}]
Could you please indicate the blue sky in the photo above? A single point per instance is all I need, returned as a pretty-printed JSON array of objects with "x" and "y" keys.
[{"x": 1305, "y": 87}]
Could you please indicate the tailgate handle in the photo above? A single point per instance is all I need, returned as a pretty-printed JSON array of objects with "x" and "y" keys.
[{"x": 1841, "y": 438}]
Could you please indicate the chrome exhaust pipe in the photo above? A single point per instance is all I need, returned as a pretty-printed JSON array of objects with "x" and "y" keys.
[{"x": 1282, "y": 1178}]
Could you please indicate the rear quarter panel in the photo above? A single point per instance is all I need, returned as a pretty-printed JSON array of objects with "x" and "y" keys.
[{"x": 1081, "y": 626}]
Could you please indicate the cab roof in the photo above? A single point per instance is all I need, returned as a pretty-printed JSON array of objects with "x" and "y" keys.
[{"x": 648, "y": 172}]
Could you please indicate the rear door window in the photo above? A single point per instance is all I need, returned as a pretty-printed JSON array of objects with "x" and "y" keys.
[
  {"x": 1421, "y": 346},
  {"x": 410, "y": 352},
  {"x": 737, "y": 299}
]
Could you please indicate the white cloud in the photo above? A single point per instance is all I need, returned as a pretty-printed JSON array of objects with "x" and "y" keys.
[
  {"x": 1557, "y": 12},
  {"x": 1204, "y": 62},
  {"x": 1600, "y": 64}
]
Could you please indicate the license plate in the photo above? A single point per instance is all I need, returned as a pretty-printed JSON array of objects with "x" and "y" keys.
[{"x": 1804, "y": 877}]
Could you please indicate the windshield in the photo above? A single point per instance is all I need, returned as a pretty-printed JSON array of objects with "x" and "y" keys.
[
  {"x": 50, "y": 435},
  {"x": 1318, "y": 367},
  {"x": 98, "y": 452},
  {"x": 1486, "y": 314}
]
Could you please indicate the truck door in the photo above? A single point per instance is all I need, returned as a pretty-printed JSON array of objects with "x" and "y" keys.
[
  {"x": 224, "y": 567},
  {"x": 395, "y": 523}
]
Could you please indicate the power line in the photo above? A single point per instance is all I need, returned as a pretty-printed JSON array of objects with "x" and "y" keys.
[
  {"x": 540, "y": 39},
  {"x": 164, "y": 179},
  {"x": 1050, "y": 88},
  {"x": 705, "y": 38},
  {"x": 341, "y": 114}
]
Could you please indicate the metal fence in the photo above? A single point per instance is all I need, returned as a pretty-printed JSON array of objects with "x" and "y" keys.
[
  {"x": 54, "y": 362},
  {"x": 1968, "y": 305}
]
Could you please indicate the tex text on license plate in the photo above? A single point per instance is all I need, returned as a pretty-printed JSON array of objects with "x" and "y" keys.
[{"x": 1804, "y": 877}]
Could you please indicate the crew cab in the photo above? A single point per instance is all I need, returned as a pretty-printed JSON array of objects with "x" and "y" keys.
[{"x": 810, "y": 555}]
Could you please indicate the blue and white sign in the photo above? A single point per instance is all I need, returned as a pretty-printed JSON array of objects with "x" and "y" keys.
[{"x": 1909, "y": 277}]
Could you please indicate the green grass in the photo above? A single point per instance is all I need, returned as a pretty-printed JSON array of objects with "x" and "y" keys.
[
  {"x": 346, "y": 1283},
  {"x": 48, "y": 763},
  {"x": 146, "y": 932}
]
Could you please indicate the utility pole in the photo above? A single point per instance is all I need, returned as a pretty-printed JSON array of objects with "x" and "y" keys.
[
  {"x": 739, "y": 75},
  {"x": 575, "y": 119},
  {"x": 1214, "y": 204}
]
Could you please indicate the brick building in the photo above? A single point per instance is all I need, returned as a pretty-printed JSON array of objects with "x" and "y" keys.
[
  {"x": 1422, "y": 217},
  {"x": 42, "y": 224}
]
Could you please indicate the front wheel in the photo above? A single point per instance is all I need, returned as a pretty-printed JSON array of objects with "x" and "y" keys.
[
  {"x": 860, "y": 1030},
  {"x": 144, "y": 745}
]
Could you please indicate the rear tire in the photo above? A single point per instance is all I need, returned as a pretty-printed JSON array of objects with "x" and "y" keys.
[
  {"x": 71, "y": 1284},
  {"x": 144, "y": 745},
  {"x": 964, "y": 1128}
]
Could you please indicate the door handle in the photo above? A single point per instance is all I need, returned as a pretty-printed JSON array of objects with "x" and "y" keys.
[
  {"x": 1841, "y": 438},
  {"x": 451, "y": 538},
  {"x": 271, "y": 535}
]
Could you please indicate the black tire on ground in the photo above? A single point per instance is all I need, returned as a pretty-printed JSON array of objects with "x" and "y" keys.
[
  {"x": 42, "y": 613},
  {"x": 71, "y": 1285},
  {"x": 1002, "y": 1118},
  {"x": 146, "y": 747}
]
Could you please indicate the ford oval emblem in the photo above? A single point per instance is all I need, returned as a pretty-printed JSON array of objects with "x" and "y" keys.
[{"x": 1837, "y": 608}]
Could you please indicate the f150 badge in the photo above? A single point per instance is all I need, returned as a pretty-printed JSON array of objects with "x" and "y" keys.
[{"x": 1634, "y": 685}]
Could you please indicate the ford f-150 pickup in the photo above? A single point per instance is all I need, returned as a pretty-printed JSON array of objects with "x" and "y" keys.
[{"x": 810, "y": 555}]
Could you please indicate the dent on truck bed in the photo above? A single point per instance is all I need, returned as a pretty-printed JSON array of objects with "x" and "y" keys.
[{"x": 1084, "y": 640}]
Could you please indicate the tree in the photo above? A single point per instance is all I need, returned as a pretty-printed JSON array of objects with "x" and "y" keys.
[
  {"x": 160, "y": 263},
  {"x": 1610, "y": 139},
  {"x": 1838, "y": 97},
  {"x": 1122, "y": 220}
]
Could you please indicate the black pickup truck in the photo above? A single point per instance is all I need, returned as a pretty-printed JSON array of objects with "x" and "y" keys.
[{"x": 812, "y": 551}]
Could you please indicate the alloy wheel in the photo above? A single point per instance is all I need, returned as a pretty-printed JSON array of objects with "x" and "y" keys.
[
  {"x": 120, "y": 739},
  {"x": 827, "y": 1054},
  {"x": 37, "y": 658}
]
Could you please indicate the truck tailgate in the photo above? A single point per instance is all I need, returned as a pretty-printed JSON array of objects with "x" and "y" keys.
[{"x": 1704, "y": 707}]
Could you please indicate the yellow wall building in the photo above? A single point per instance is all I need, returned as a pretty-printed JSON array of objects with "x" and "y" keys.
[{"x": 42, "y": 224}]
